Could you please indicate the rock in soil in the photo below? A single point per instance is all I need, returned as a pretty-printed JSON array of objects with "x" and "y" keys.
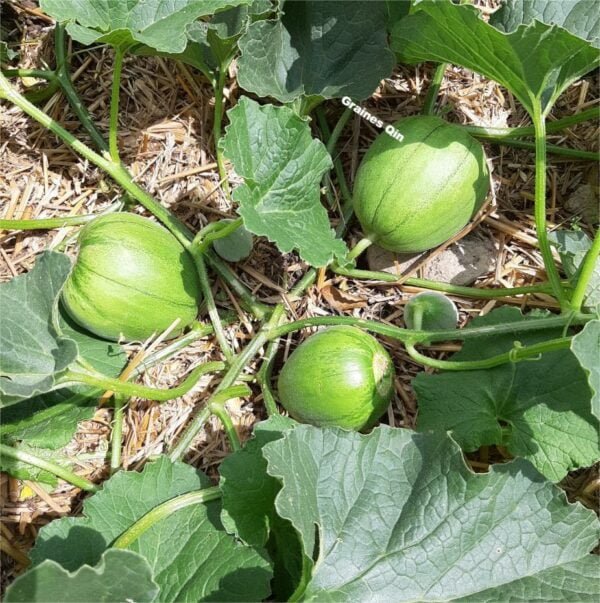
[{"x": 460, "y": 264}]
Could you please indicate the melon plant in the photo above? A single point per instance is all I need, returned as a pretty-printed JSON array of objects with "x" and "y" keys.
[
  {"x": 131, "y": 279},
  {"x": 414, "y": 194},
  {"x": 339, "y": 377}
]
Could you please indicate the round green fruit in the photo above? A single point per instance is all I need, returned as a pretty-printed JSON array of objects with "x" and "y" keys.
[
  {"x": 430, "y": 311},
  {"x": 131, "y": 279},
  {"x": 339, "y": 377},
  {"x": 414, "y": 194}
]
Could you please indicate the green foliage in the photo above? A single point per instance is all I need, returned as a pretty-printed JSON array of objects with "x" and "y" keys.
[
  {"x": 325, "y": 49},
  {"x": 235, "y": 246},
  {"x": 30, "y": 361},
  {"x": 536, "y": 62},
  {"x": 154, "y": 23},
  {"x": 539, "y": 409},
  {"x": 201, "y": 563},
  {"x": 271, "y": 148},
  {"x": 400, "y": 517},
  {"x": 118, "y": 576},
  {"x": 430, "y": 311},
  {"x": 580, "y": 17},
  {"x": 586, "y": 347}
]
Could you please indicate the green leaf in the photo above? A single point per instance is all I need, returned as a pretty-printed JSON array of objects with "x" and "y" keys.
[
  {"x": 586, "y": 347},
  {"x": 32, "y": 352},
  {"x": 580, "y": 17},
  {"x": 118, "y": 576},
  {"x": 538, "y": 409},
  {"x": 248, "y": 491},
  {"x": 329, "y": 49},
  {"x": 400, "y": 517},
  {"x": 23, "y": 470},
  {"x": 272, "y": 149},
  {"x": 572, "y": 246},
  {"x": 201, "y": 563},
  {"x": 154, "y": 23},
  {"x": 536, "y": 62}
]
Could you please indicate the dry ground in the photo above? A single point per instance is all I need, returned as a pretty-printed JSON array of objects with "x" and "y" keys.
[{"x": 165, "y": 139}]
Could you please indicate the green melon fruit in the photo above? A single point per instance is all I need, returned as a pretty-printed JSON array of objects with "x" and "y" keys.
[
  {"x": 414, "y": 194},
  {"x": 339, "y": 377},
  {"x": 131, "y": 279}
]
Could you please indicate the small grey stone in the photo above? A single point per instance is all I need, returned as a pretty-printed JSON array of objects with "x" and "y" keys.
[
  {"x": 584, "y": 202},
  {"x": 460, "y": 264}
]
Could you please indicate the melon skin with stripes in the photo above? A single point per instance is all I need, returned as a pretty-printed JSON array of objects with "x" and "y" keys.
[
  {"x": 413, "y": 195},
  {"x": 131, "y": 279}
]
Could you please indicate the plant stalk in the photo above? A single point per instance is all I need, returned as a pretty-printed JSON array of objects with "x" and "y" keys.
[
  {"x": 444, "y": 287},
  {"x": 141, "y": 391},
  {"x": 434, "y": 88},
  {"x": 587, "y": 270},
  {"x": 116, "y": 436},
  {"x": 426, "y": 337},
  {"x": 540, "y": 204},
  {"x": 516, "y": 354},
  {"x": 46, "y": 223},
  {"x": 217, "y": 125},
  {"x": 162, "y": 511},
  {"x": 62, "y": 472},
  {"x": 42, "y": 74}
]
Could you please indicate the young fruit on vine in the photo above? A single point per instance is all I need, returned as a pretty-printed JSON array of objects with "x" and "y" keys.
[
  {"x": 339, "y": 377},
  {"x": 131, "y": 279},
  {"x": 414, "y": 194},
  {"x": 430, "y": 311}
]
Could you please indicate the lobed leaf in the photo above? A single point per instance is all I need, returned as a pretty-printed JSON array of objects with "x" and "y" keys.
[
  {"x": 536, "y": 62},
  {"x": 157, "y": 24},
  {"x": 317, "y": 48},
  {"x": 32, "y": 351},
  {"x": 580, "y": 17},
  {"x": 118, "y": 576},
  {"x": 586, "y": 347},
  {"x": 271, "y": 148},
  {"x": 538, "y": 409},
  {"x": 400, "y": 517},
  {"x": 203, "y": 563}
]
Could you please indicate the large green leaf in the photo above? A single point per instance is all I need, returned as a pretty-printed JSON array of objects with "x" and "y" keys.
[
  {"x": 50, "y": 420},
  {"x": 329, "y": 49},
  {"x": 155, "y": 23},
  {"x": 586, "y": 347},
  {"x": 536, "y": 62},
  {"x": 248, "y": 491},
  {"x": 118, "y": 576},
  {"x": 32, "y": 352},
  {"x": 400, "y": 517},
  {"x": 191, "y": 556},
  {"x": 272, "y": 149},
  {"x": 580, "y": 17},
  {"x": 539, "y": 409}
]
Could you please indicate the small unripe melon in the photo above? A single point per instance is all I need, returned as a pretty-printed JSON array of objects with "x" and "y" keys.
[{"x": 415, "y": 194}]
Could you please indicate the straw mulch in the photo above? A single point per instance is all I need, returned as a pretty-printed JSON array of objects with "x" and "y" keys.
[{"x": 165, "y": 139}]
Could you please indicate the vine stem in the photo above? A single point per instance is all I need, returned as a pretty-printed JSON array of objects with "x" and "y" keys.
[
  {"x": 163, "y": 511},
  {"x": 116, "y": 435},
  {"x": 211, "y": 307},
  {"x": 540, "y": 203},
  {"x": 141, "y": 391},
  {"x": 114, "y": 170},
  {"x": 65, "y": 474},
  {"x": 215, "y": 231},
  {"x": 359, "y": 248},
  {"x": 587, "y": 269},
  {"x": 426, "y": 337},
  {"x": 113, "y": 130},
  {"x": 64, "y": 78},
  {"x": 238, "y": 365},
  {"x": 516, "y": 354},
  {"x": 551, "y": 126},
  {"x": 434, "y": 88},
  {"x": 46, "y": 223},
  {"x": 443, "y": 287},
  {"x": 550, "y": 148}
]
